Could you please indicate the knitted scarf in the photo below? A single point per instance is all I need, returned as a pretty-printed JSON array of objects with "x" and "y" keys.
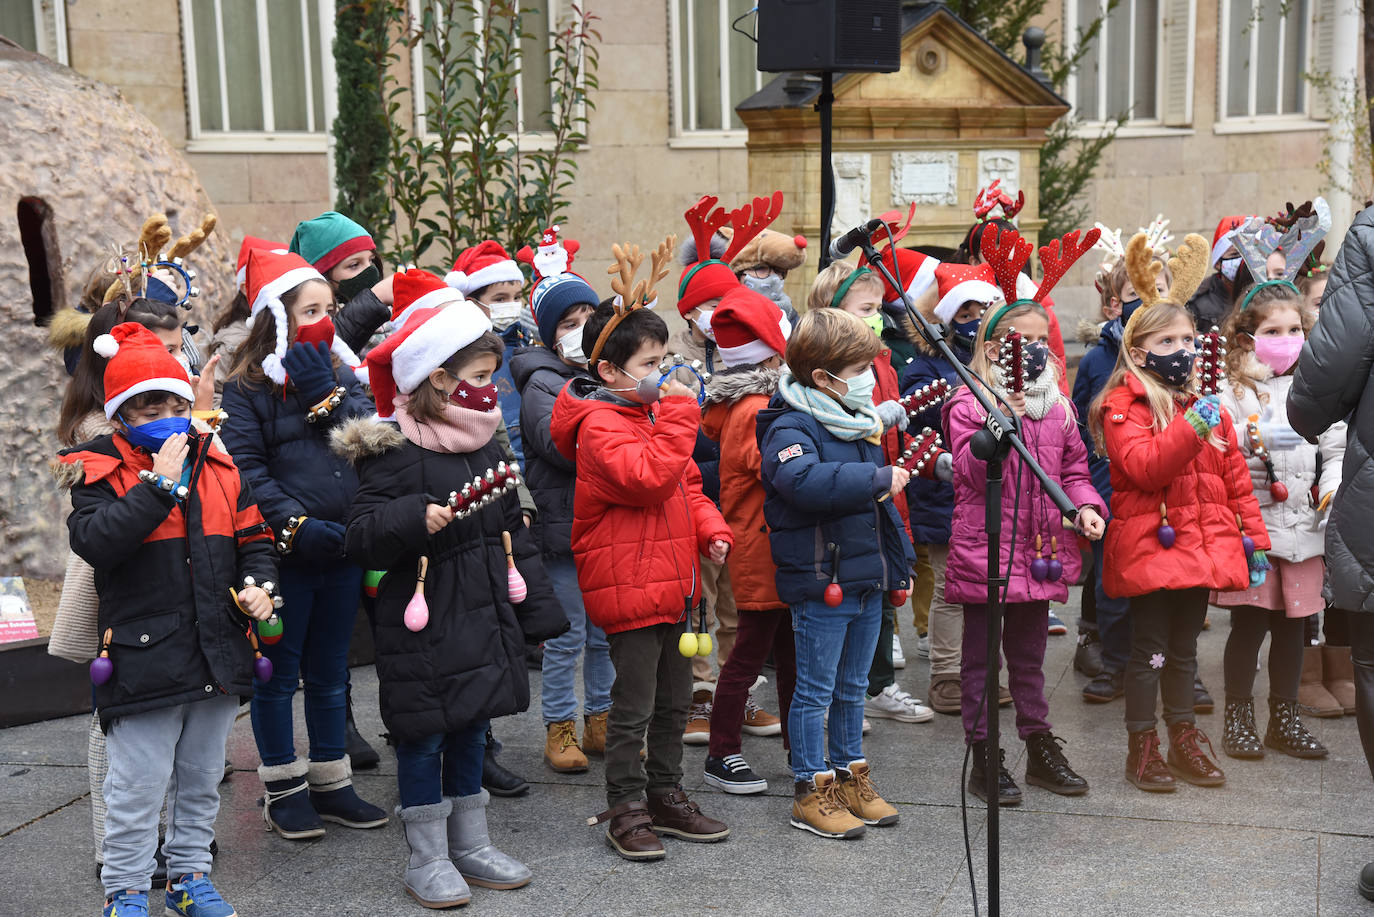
[
  {"x": 459, "y": 430},
  {"x": 832, "y": 415},
  {"x": 1042, "y": 393}
]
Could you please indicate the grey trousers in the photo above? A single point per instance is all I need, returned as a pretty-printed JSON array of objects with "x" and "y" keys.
[
  {"x": 176, "y": 751},
  {"x": 651, "y": 694}
]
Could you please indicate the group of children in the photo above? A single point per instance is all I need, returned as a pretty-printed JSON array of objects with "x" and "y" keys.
[{"x": 498, "y": 472}]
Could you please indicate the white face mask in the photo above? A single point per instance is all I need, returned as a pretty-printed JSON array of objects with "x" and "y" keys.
[
  {"x": 570, "y": 345},
  {"x": 703, "y": 323},
  {"x": 504, "y": 314},
  {"x": 1230, "y": 267}
]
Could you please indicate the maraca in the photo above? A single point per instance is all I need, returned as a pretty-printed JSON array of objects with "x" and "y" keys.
[
  {"x": 417, "y": 610},
  {"x": 834, "y": 595},
  {"x": 101, "y": 666},
  {"x": 896, "y": 597},
  {"x": 270, "y": 631},
  {"x": 371, "y": 580},
  {"x": 1246, "y": 541},
  {"x": 1039, "y": 567},
  {"x": 1055, "y": 569},
  {"x": 514, "y": 581},
  {"x": 1165, "y": 533},
  {"x": 262, "y": 666}
]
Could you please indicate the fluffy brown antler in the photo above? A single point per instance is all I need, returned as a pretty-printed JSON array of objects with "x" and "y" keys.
[
  {"x": 628, "y": 258},
  {"x": 704, "y": 222},
  {"x": 193, "y": 239},
  {"x": 1142, "y": 267},
  {"x": 1189, "y": 266},
  {"x": 750, "y": 220},
  {"x": 659, "y": 261},
  {"x": 1007, "y": 253},
  {"x": 1057, "y": 257}
]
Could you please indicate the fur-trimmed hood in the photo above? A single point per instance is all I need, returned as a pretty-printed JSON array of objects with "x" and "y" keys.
[
  {"x": 67, "y": 328},
  {"x": 1088, "y": 332},
  {"x": 68, "y": 474},
  {"x": 731, "y": 385},
  {"x": 363, "y": 438}
]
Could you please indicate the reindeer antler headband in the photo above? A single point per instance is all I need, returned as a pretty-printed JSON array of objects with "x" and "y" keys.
[
  {"x": 1157, "y": 234},
  {"x": 1187, "y": 265},
  {"x": 1007, "y": 253},
  {"x": 633, "y": 296},
  {"x": 1303, "y": 229},
  {"x": 747, "y": 222},
  {"x": 133, "y": 274},
  {"x": 992, "y": 197}
]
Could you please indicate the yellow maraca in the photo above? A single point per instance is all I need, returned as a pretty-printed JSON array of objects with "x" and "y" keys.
[{"x": 687, "y": 644}]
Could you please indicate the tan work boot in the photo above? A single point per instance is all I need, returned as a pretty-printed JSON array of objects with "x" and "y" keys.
[
  {"x": 861, "y": 798},
  {"x": 698, "y": 730},
  {"x": 561, "y": 751},
  {"x": 818, "y": 808},
  {"x": 594, "y": 733}
]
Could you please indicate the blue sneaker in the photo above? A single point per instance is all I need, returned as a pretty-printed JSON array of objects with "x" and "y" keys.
[
  {"x": 194, "y": 896},
  {"x": 126, "y": 904},
  {"x": 1057, "y": 627}
]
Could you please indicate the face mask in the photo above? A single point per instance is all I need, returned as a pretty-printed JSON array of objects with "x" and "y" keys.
[
  {"x": 1279, "y": 353},
  {"x": 860, "y": 392},
  {"x": 154, "y": 433},
  {"x": 474, "y": 397},
  {"x": 770, "y": 286},
  {"x": 1128, "y": 307},
  {"x": 504, "y": 314},
  {"x": 320, "y": 332},
  {"x": 365, "y": 279},
  {"x": 1035, "y": 356},
  {"x": 965, "y": 332},
  {"x": 703, "y": 323},
  {"x": 645, "y": 390},
  {"x": 1172, "y": 368},
  {"x": 1229, "y": 267},
  {"x": 570, "y": 345},
  {"x": 875, "y": 322}
]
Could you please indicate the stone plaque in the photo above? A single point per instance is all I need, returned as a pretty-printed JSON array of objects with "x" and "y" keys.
[
  {"x": 853, "y": 191},
  {"x": 1000, "y": 164},
  {"x": 929, "y": 178}
]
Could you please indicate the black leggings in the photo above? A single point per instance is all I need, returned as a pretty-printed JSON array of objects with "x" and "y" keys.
[
  {"x": 1248, "y": 627},
  {"x": 1164, "y": 629}
]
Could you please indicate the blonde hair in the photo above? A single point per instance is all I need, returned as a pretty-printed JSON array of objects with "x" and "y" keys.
[
  {"x": 829, "y": 340},
  {"x": 982, "y": 366},
  {"x": 828, "y": 281},
  {"x": 1146, "y": 320},
  {"x": 1266, "y": 301}
]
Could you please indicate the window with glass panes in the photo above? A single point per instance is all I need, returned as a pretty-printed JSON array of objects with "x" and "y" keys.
[
  {"x": 36, "y": 25},
  {"x": 1120, "y": 72},
  {"x": 1264, "y": 54},
  {"x": 714, "y": 66}
]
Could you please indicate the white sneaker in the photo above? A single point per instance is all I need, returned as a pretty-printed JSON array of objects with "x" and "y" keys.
[
  {"x": 896, "y": 704},
  {"x": 867, "y": 727},
  {"x": 898, "y": 657},
  {"x": 923, "y": 646}
]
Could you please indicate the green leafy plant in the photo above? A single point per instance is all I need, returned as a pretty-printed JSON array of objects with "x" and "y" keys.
[
  {"x": 1349, "y": 108},
  {"x": 361, "y": 128}
]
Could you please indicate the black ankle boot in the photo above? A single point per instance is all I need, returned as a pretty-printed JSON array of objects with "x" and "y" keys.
[
  {"x": 1202, "y": 698},
  {"x": 360, "y": 754},
  {"x": 497, "y": 779},
  {"x": 1239, "y": 739},
  {"x": 1008, "y": 793},
  {"x": 1287, "y": 734},
  {"x": 1047, "y": 768}
]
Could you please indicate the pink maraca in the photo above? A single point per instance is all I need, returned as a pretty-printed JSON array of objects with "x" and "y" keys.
[
  {"x": 514, "y": 581},
  {"x": 417, "y": 609}
]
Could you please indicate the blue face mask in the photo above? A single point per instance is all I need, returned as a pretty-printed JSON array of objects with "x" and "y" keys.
[
  {"x": 965, "y": 332},
  {"x": 1128, "y": 307},
  {"x": 1037, "y": 357},
  {"x": 154, "y": 433}
]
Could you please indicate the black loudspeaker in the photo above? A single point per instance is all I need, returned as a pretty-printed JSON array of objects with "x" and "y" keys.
[{"x": 818, "y": 36}]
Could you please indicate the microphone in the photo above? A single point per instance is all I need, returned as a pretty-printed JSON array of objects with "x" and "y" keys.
[{"x": 841, "y": 247}]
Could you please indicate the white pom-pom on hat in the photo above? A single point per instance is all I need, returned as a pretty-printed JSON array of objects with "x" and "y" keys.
[{"x": 105, "y": 345}]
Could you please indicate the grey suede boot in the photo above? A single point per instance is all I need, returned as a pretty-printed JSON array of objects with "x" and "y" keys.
[
  {"x": 430, "y": 876},
  {"x": 472, "y": 851}
]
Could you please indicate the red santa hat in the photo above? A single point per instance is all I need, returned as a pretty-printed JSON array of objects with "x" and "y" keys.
[
  {"x": 481, "y": 266},
  {"x": 961, "y": 283},
  {"x": 429, "y": 338},
  {"x": 554, "y": 256},
  {"x": 415, "y": 290},
  {"x": 271, "y": 275},
  {"x": 139, "y": 362},
  {"x": 249, "y": 244},
  {"x": 917, "y": 272},
  {"x": 1225, "y": 235},
  {"x": 749, "y": 327}
]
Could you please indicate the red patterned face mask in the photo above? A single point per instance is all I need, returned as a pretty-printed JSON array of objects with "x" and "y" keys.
[
  {"x": 474, "y": 397},
  {"x": 318, "y": 332}
]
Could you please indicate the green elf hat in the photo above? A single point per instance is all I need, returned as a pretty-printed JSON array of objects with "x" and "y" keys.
[{"x": 328, "y": 239}]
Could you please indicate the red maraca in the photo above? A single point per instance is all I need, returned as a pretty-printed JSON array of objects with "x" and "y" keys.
[
  {"x": 514, "y": 581},
  {"x": 1165, "y": 532},
  {"x": 834, "y": 595},
  {"x": 1039, "y": 567},
  {"x": 101, "y": 666},
  {"x": 896, "y": 597}
]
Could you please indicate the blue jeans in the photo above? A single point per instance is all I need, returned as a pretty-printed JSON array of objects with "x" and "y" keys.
[
  {"x": 559, "y": 693},
  {"x": 1113, "y": 619},
  {"x": 447, "y": 764},
  {"x": 834, "y": 652},
  {"x": 318, "y": 607}
]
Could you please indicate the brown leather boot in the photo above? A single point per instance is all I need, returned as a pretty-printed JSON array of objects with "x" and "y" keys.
[
  {"x": 860, "y": 796},
  {"x": 1313, "y": 697},
  {"x": 594, "y": 733},
  {"x": 1338, "y": 675},
  {"x": 1145, "y": 768},
  {"x": 676, "y": 815},
  {"x": 1187, "y": 759},
  {"x": 631, "y": 832},
  {"x": 561, "y": 751}
]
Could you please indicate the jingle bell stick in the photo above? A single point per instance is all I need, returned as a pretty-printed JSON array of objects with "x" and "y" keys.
[
  {"x": 1211, "y": 359},
  {"x": 926, "y": 396},
  {"x": 1012, "y": 360}
]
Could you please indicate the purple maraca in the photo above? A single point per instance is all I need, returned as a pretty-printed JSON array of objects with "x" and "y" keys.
[
  {"x": 101, "y": 668},
  {"x": 262, "y": 669}
]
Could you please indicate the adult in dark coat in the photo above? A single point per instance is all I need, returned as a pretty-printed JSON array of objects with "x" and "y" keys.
[{"x": 1334, "y": 381}]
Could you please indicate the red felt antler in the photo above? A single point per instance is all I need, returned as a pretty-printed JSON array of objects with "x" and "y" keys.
[
  {"x": 1057, "y": 257},
  {"x": 750, "y": 220},
  {"x": 993, "y": 197},
  {"x": 704, "y": 222},
  {"x": 1007, "y": 253}
]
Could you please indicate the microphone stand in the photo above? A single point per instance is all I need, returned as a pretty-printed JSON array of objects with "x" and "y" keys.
[{"x": 992, "y": 444}]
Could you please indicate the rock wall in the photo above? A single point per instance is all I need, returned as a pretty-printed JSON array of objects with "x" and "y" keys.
[{"x": 101, "y": 168}]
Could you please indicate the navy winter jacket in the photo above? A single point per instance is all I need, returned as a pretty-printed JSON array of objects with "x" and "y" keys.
[
  {"x": 539, "y": 376},
  {"x": 1093, "y": 371},
  {"x": 929, "y": 503},
  {"x": 820, "y": 493}
]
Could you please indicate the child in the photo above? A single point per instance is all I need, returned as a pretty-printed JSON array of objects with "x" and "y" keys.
[
  {"x": 172, "y": 531},
  {"x": 231, "y": 325},
  {"x": 965, "y": 293},
  {"x": 1212, "y": 301},
  {"x": 1112, "y": 624},
  {"x": 345, "y": 254},
  {"x": 639, "y": 522},
  {"x": 1049, "y": 430},
  {"x": 752, "y": 333},
  {"x": 828, "y": 505},
  {"x": 1179, "y": 483},
  {"x": 562, "y": 304},
  {"x": 1264, "y": 338},
  {"x": 278, "y": 432},
  {"x": 443, "y": 681},
  {"x": 859, "y": 291}
]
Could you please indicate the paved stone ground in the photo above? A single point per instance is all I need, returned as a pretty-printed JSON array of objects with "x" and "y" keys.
[{"x": 1283, "y": 837}]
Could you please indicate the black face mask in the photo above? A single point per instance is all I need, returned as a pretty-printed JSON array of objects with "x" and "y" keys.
[
  {"x": 1128, "y": 307},
  {"x": 365, "y": 279},
  {"x": 1037, "y": 357},
  {"x": 1173, "y": 368}
]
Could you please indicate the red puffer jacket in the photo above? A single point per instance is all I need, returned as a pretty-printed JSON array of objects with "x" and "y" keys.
[
  {"x": 1204, "y": 490},
  {"x": 894, "y": 441},
  {"x": 640, "y": 520}
]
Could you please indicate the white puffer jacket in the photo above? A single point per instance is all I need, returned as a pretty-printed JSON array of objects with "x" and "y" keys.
[{"x": 1295, "y": 525}]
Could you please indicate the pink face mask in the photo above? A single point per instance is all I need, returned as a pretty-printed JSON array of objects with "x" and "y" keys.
[{"x": 1279, "y": 353}]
